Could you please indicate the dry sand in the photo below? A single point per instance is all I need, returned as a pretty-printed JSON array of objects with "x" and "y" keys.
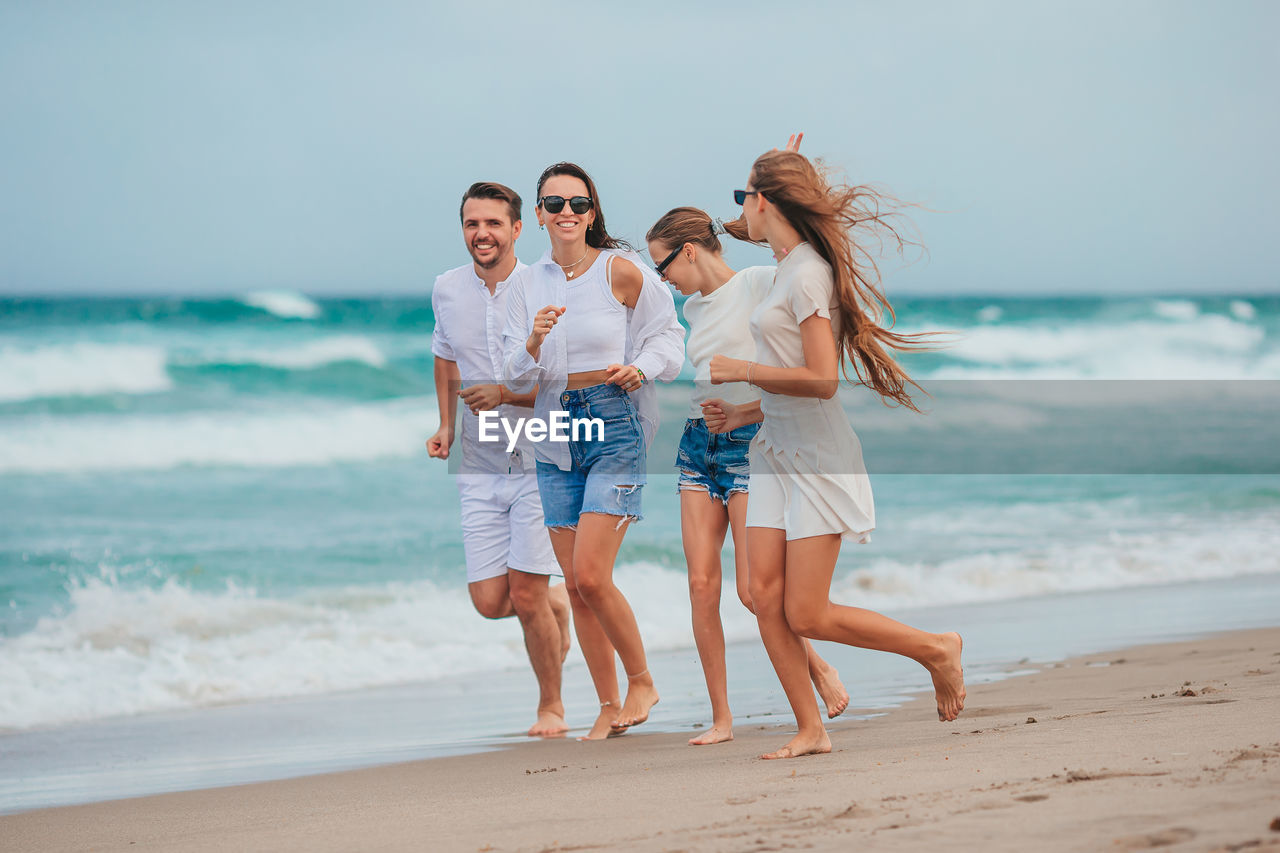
[{"x": 1073, "y": 757}]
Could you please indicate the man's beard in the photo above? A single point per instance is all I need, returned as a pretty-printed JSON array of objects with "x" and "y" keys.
[{"x": 498, "y": 258}]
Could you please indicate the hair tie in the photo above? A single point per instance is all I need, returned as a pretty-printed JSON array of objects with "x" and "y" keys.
[{"x": 717, "y": 227}]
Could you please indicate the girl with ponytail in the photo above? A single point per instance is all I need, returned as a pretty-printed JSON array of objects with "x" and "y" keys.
[
  {"x": 809, "y": 487},
  {"x": 712, "y": 464}
]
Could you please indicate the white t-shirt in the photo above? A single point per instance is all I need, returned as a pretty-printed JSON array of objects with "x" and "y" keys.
[
  {"x": 808, "y": 441},
  {"x": 469, "y": 323},
  {"x": 719, "y": 324},
  {"x": 811, "y": 426}
]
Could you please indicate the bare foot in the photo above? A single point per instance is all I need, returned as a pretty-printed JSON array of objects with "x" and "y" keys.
[
  {"x": 718, "y": 734},
  {"x": 831, "y": 689},
  {"x": 549, "y": 724},
  {"x": 603, "y": 727},
  {"x": 558, "y": 596},
  {"x": 948, "y": 678},
  {"x": 801, "y": 745},
  {"x": 641, "y": 696}
]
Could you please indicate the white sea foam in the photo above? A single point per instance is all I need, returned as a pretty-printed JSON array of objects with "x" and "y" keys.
[
  {"x": 91, "y": 368},
  {"x": 120, "y": 650},
  {"x": 1208, "y": 346},
  {"x": 1176, "y": 309},
  {"x": 284, "y": 303},
  {"x": 124, "y": 651},
  {"x": 266, "y": 439},
  {"x": 1133, "y": 558},
  {"x": 81, "y": 369},
  {"x": 1243, "y": 310},
  {"x": 989, "y": 314},
  {"x": 306, "y": 355}
]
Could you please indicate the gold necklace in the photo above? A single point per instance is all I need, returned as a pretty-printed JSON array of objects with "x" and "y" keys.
[{"x": 567, "y": 267}]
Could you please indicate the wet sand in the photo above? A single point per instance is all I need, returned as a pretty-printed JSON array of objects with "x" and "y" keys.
[{"x": 1173, "y": 746}]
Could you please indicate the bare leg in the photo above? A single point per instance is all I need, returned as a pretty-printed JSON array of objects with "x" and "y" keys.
[
  {"x": 596, "y": 648},
  {"x": 824, "y": 676},
  {"x": 558, "y": 596},
  {"x": 598, "y": 538},
  {"x": 703, "y": 522},
  {"x": 810, "y": 612},
  {"x": 492, "y": 597},
  {"x": 542, "y": 641},
  {"x": 768, "y": 554}
]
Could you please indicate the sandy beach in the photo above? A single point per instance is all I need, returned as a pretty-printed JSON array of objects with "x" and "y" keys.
[{"x": 1172, "y": 746}]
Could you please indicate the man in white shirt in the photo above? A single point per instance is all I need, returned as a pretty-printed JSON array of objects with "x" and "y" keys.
[{"x": 508, "y": 550}]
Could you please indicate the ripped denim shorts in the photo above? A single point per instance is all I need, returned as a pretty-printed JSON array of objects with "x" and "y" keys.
[
  {"x": 607, "y": 473},
  {"x": 715, "y": 463}
]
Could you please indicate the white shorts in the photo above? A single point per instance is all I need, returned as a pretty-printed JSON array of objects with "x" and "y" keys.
[{"x": 502, "y": 526}]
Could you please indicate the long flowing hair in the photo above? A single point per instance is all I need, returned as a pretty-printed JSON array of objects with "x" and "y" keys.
[
  {"x": 848, "y": 226},
  {"x": 597, "y": 236}
]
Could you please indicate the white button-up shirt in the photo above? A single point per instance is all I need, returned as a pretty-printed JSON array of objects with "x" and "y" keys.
[
  {"x": 469, "y": 324},
  {"x": 655, "y": 345}
]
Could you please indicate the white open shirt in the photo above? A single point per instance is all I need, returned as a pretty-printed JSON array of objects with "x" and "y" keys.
[{"x": 655, "y": 344}]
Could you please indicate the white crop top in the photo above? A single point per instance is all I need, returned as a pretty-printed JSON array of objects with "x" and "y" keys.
[{"x": 594, "y": 322}]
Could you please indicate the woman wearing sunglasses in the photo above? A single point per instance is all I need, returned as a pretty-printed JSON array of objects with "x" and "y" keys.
[
  {"x": 809, "y": 488},
  {"x": 592, "y": 329},
  {"x": 712, "y": 463}
]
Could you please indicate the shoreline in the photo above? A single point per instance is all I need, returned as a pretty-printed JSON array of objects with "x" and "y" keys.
[
  {"x": 1114, "y": 757},
  {"x": 243, "y": 743}
]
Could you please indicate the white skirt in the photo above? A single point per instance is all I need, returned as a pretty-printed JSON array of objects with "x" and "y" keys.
[{"x": 788, "y": 492}]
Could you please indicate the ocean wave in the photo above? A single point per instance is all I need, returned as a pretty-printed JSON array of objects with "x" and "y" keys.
[
  {"x": 262, "y": 439},
  {"x": 1134, "y": 558},
  {"x": 1243, "y": 310},
  {"x": 306, "y": 355},
  {"x": 1199, "y": 346},
  {"x": 90, "y": 369},
  {"x": 81, "y": 369},
  {"x": 287, "y": 304},
  {"x": 1176, "y": 309},
  {"x": 119, "y": 650}
]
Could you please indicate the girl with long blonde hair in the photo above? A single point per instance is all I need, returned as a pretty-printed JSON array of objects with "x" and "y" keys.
[
  {"x": 712, "y": 464},
  {"x": 809, "y": 487}
]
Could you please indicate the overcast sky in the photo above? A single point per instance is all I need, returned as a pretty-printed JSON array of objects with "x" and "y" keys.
[{"x": 224, "y": 147}]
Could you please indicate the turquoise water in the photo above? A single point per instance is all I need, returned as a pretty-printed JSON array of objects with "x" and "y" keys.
[{"x": 228, "y": 501}]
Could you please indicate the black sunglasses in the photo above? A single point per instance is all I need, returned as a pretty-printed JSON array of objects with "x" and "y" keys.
[
  {"x": 555, "y": 203},
  {"x": 740, "y": 196},
  {"x": 666, "y": 262}
]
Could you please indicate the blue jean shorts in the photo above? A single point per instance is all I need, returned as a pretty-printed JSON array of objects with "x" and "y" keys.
[
  {"x": 607, "y": 473},
  {"x": 715, "y": 463}
]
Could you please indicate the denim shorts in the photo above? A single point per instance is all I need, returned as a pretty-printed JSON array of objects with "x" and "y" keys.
[
  {"x": 715, "y": 463},
  {"x": 607, "y": 474}
]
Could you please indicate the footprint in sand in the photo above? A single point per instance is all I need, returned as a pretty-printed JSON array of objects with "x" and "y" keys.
[
  {"x": 1164, "y": 838},
  {"x": 856, "y": 811}
]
